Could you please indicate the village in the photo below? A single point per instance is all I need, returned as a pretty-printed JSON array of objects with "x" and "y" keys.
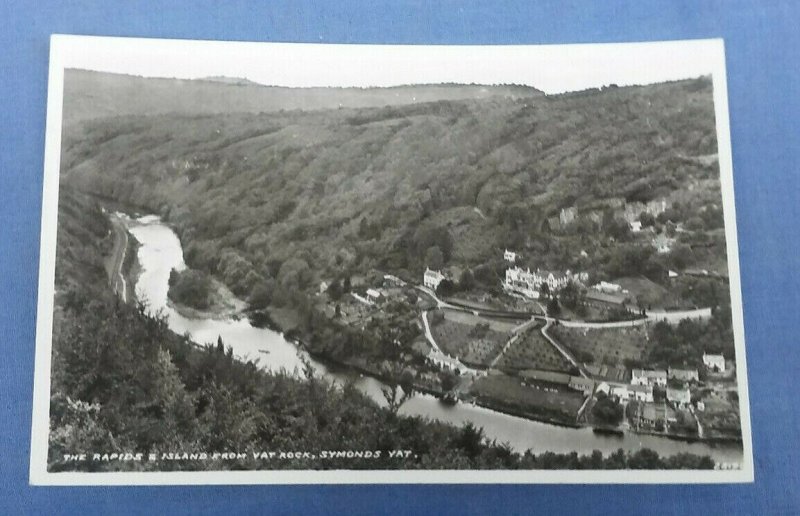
[{"x": 547, "y": 345}]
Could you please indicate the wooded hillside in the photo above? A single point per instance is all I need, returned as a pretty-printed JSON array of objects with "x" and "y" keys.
[{"x": 290, "y": 198}]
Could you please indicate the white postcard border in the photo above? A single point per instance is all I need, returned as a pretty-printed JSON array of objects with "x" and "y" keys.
[{"x": 61, "y": 44}]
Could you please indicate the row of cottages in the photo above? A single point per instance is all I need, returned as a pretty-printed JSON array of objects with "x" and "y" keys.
[
  {"x": 714, "y": 362},
  {"x": 431, "y": 278},
  {"x": 649, "y": 377},
  {"x": 578, "y": 383},
  {"x": 528, "y": 283},
  {"x": 683, "y": 375},
  {"x": 626, "y": 393}
]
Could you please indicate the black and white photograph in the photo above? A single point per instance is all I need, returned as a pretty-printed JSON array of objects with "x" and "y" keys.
[{"x": 312, "y": 263}]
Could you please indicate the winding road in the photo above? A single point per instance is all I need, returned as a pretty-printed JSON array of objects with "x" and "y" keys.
[{"x": 116, "y": 276}]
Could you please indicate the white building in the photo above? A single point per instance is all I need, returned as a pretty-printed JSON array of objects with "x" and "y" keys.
[
  {"x": 714, "y": 362},
  {"x": 649, "y": 377},
  {"x": 681, "y": 398},
  {"x": 608, "y": 288},
  {"x": 431, "y": 279},
  {"x": 373, "y": 295},
  {"x": 683, "y": 375},
  {"x": 626, "y": 393},
  {"x": 528, "y": 283},
  {"x": 510, "y": 256},
  {"x": 641, "y": 393},
  {"x": 522, "y": 282},
  {"x": 636, "y": 226}
]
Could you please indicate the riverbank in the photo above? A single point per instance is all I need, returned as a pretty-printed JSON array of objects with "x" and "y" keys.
[{"x": 219, "y": 304}]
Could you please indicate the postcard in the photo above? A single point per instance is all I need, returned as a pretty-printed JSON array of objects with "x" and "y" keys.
[{"x": 267, "y": 263}]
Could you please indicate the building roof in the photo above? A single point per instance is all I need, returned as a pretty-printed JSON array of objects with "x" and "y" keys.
[
  {"x": 546, "y": 376},
  {"x": 682, "y": 373},
  {"x": 649, "y": 373},
  {"x": 640, "y": 388},
  {"x": 581, "y": 381},
  {"x": 605, "y": 372},
  {"x": 679, "y": 395}
]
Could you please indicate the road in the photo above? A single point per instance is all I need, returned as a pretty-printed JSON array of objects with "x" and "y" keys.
[
  {"x": 438, "y": 356},
  {"x": 118, "y": 283},
  {"x": 561, "y": 349}
]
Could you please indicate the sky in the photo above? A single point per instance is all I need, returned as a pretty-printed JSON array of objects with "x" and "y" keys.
[{"x": 551, "y": 68}]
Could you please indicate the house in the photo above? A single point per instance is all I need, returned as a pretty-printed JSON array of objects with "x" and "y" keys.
[
  {"x": 607, "y": 288},
  {"x": 373, "y": 295},
  {"x": 620, "y": 391},
  {"x": 683, "y": 375},
  {"x": 679, "y": 397},
  {"x": 650, "y": 415},
  {"x": 540, "y": 375},
  {"x": 641, "y": 392},
  {"x": 714, "y": 362},
  {"x": 521, "y": 281},
  {"x": 323, "y": 287},
  {"x": 510, "y": 256},
  {"x": 579, "y": 383},
  {"x": 567, "y": 215},
  {"x": 554, "y": 280},
  {"x": 431, "y": 279},
  {"x": 636, "y": 226},
  {"x": 672, "y": 274},
  {"x": 603, "y": 387},
  {"x": 649, "y": 377}
]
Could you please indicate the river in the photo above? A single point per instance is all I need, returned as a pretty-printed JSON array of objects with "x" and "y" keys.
[{"x": 160, "y": 251}]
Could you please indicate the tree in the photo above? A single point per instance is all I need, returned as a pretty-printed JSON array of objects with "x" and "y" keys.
[
  {"x": 448, "y": 380},
  {"x": 335, "y": 290},
  {"x": 553, "y": 308},
  {"x": 434, "y": 258},
  {"x": 647, "y": 219},
  {"x": 399, "y": 387},
  {"x": 467, "y": 281},
  {"x": 607, "y": 411},
  {"x": 261, "y": 295},
  {"x": 571, "y": 295},
  {"x": 446, "y": 288}
]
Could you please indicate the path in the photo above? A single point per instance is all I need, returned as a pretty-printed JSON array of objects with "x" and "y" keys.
[
  {"x": 437, "y": 355},
  {"x": 516, "y": 334},
  {"x": 561, "y": 350}
]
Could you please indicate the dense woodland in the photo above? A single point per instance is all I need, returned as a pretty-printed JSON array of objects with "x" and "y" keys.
[
  {"x": 282, "y": 200},
  {"x": 123, "y": 382},
  {"x": 274, "y": 203}
]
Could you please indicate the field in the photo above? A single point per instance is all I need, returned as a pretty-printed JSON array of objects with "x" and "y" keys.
[
  {"x": 648, "y": 294},
  {"x": 559, "y": 405},
  {"x": 474, "y": 343},
  {"x": 533, "y": 351},
  {"x": 604, "y": 345}
]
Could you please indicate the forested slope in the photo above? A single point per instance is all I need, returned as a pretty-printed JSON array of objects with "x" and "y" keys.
[
  {"x": 122, "y": 382},
  {"x": 285, "y": 199}
]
